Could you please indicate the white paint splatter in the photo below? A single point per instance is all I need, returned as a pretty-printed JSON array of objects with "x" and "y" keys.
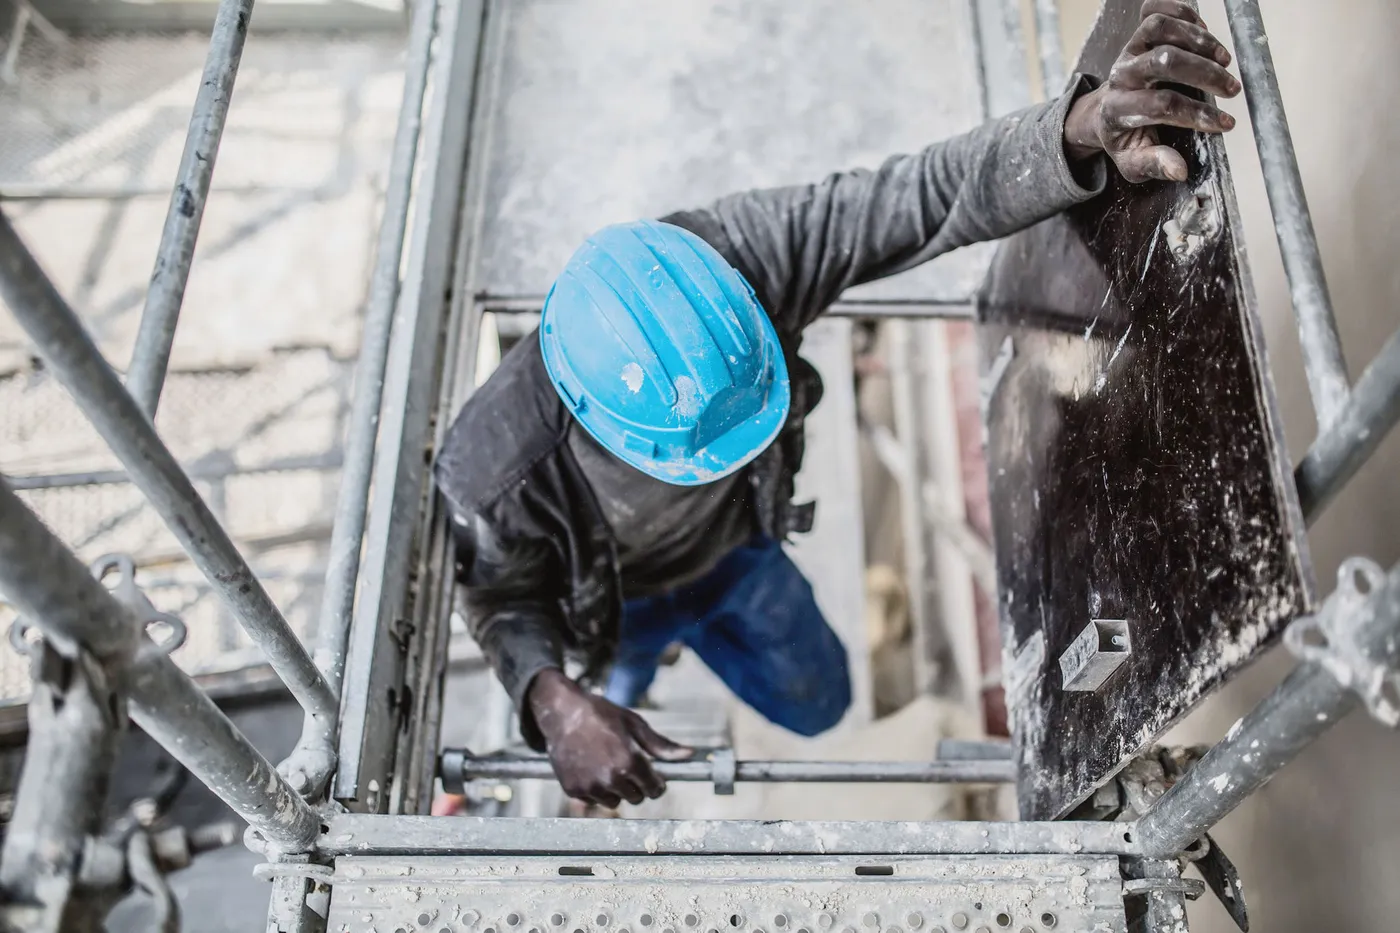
[
  {"x": 1221, "y": 783},
  {"x": 687, "y": 397},
  {"x": 1102, "y": 380},
  {"x": 632, "y": 375}
]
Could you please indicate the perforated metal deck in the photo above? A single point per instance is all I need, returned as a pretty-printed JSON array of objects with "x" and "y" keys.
[{"x": 721, "y": 894}]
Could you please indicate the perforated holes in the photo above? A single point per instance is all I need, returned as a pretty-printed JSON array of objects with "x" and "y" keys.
[
  {"x": 1003, "y": 919},
  {"x": 1048, "y": 920}
]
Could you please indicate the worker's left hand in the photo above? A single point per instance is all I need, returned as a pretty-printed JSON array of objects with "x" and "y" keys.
[{"x": 1171, "y": 46}]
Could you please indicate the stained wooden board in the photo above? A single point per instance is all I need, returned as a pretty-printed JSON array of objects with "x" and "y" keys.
[{"x": 1137, "y": 469}]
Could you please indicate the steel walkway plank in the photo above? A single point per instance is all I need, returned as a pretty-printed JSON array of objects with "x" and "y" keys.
[{"x": 754, "y": 894}]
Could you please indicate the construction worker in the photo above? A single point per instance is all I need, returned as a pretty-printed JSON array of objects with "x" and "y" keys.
[{"x": 624, "y": 480}]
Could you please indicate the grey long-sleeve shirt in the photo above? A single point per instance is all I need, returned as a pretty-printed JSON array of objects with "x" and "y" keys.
[{"x": 525, "y": 558}]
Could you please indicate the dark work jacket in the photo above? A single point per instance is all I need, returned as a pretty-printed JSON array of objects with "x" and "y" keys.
[{"x": 536, "y": 558}]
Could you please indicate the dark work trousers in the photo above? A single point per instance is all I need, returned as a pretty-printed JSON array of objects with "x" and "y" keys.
[{"x": 754, "y": 622}]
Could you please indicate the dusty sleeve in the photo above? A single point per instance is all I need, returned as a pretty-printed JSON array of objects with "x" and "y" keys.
[
  {"x": 801, "y": 246},
  {"x": 506, "y": 585}
]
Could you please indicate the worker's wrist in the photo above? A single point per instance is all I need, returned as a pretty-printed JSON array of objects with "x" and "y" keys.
[
  {"x": 1081, "y": 137},
  {"x": 550, "y": 691}
]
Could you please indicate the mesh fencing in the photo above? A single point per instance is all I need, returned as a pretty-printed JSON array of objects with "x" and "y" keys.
[{"x": 90, "y": 138}]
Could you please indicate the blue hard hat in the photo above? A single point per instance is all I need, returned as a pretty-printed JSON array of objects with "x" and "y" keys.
[{"x": 663, "y": 353}]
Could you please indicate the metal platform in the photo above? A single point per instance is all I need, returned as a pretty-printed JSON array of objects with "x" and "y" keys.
[{"x": 781, "y": 894}]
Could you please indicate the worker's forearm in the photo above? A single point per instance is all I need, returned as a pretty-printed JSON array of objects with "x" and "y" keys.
[
  {"x": 802, "y": 246},
  {"x": 519, "y": 648}
]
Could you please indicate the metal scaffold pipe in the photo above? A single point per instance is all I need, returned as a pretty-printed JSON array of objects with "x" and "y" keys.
[
  {"x": 1309, "y": 702},
  {"x": 1370, "y": 412},
  {"x": 58, "y": 595},
  {"x": 458, "y": 766},
  {"x": 69, "y": 352},
  {"x": 311, "y": 762},
  {"x": 1297, "y": 241},
  {"x": 151, "y": 356},
  {"x": 343, "y": 562}
]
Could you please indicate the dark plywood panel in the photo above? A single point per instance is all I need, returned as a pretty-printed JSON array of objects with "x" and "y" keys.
[{"x": 1136, "y": 469}]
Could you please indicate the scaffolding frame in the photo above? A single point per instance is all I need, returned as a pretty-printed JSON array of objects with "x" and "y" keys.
[{"x": 390, "y": 557}]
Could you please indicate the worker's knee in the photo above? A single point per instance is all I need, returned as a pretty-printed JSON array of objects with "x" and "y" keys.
[
  {"x": 817, "y": 701},
  {"x": 817, "y": 718}
]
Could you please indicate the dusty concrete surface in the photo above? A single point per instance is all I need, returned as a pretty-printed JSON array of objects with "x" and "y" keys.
[{"x": 1318, "y": 846}]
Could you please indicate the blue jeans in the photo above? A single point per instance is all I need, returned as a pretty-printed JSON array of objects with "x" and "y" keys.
[{"x": 754, "y": 622}]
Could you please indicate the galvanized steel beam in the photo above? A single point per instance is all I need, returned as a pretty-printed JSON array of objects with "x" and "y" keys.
[
  {"x": 458, "y": 766},
  {"x": 361, "y": 834},
  {"x": 1357, "y": 430},
  {"x": 1312, "y": 303},
  {"x": 151, "y": 356}
]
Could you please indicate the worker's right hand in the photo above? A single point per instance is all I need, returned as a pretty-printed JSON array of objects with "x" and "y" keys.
[
  {"x": 599, "y": 750},
  {"x": 1120, "y": 117}
]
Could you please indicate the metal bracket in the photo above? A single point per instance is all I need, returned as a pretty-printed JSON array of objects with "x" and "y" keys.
[
  {"x": 1143, "y": 781},
  {"x": 1330, "y": 640},
  {"x": 269, "y": 871},
  {"x": 1192, "y": 888},
  {"x": 726, "y": 769},
  {"x": 1096, "y": 652},
  {"x": 130, "y": 595}
]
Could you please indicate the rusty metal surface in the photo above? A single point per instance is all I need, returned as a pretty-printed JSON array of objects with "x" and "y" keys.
[
  {"x": 1137, "y": 471},
  {"x": 707, "y": 894}
]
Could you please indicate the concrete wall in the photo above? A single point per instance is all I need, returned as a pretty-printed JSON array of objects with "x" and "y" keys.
[{"x": 1320, "y": 846}]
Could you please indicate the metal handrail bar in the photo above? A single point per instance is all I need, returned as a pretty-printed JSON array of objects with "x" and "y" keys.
[
  {"x": 68, "y": 350},
  {"x": 956, "y": 309},
  {"x": 348, "y": 531},
  {"x": 76, "y": 613},
  {"x": 359, "y": 834},
  {"x": 311, "y": 762},
  {"x": 1323, "y": 361},
  {"x": 458, "y": 766},
  {"x": 1371, "y": 411},
  {"x": 151, "y": 356},
  {"x": 197, "y": 470}
]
